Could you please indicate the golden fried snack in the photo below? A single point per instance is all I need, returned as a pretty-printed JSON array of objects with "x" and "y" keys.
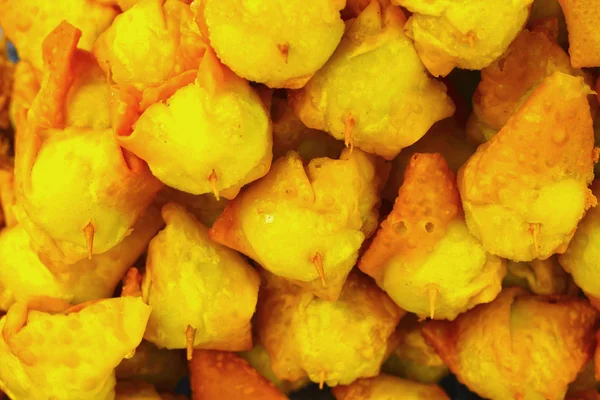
[
  {"x": 413, "y": 358},
  {"x": 352, "y": 99},
  {"x": 267, "y": 41},
  {"x": 525, "y": 190},
  {"x": 124, "y": 5},
  {"x": 423, "y": 255},
  {"x": 213, "y": 135},
  {"x": 289, "y": 133},
  {"x": 217, "y": 375},
  {"x": 259, "y": 359},
  {"x": 202, "y": 294},
  {"x": 151, "y": 43},
  {"x": 24, "y": 275},
  {"x": 205, "y": 207},
  {"x": 307, "y": 223},
  {"x": 540, "y": 277},
  {"x": 468, "y": 34},
  {"x": 509, "y": 81},
  {"x": 7, "y": 194},
  {"x": 25, "y": 87},
  {"x": 161, "y": 368},
  {"x": 581, "y": 257},
  {"x": 584, "y": 40},
  {"x": 446, "y": 137},
  {"x": 519, "y": 346},
  {"x": 330, "y": 342},
  {"x": 49, "y": 350},
  {"x": 78, "y": 192},
  {"x": 27, "y": 23},
  {"x": 386, "y": 387},
  {"x": 355, "y": 7}
]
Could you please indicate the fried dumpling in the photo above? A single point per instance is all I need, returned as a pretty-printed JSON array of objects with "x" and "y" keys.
[
  {"x": 307, "y": 223},
  {"x": 51, "y": 350},
  {"x": 374, "y": 92},
  {"x": 217, "y": 375},
  {"x": 211, "y": 136},
  {"x": 423, "y": 255},
  {"x": 27, "y": 23},
  {"x": 78, "y": 192},
  {"x": 267, "y": 41},
  {"x": 468, "y": 34},
  {"x": 519, "y": 346},
  {"x": 525, "y": 190},
  {"x": 330, "y": 342},
  {"x": 202, "y": 294},
  {"x": 386, "y": 387},
  {"x": 584, "y": 40},
  {"x": 508, "y": 81}
]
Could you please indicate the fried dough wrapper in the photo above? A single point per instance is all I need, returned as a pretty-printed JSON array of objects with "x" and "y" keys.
[
  {"x": 307, "y": 223},
  {"x": 290, "y": 133},
  {"x": 75, "y": 174},
  {"x": 202, "y": 294},
  {"x": 510, "y": 80},
  {"x": 543, "y": 277},
  {"x": 49, "y": 349},
  {"x": 150, "y": 43},
  {"x": 525, "y": 190},
  {"x": 219, "y": 375},
  {"x": 136, "y": 390},
  {"x": 468, "y": 34},
  {"x": 413, "y": 358},
  {"x": 211, "y": 136},
  {"x": 259, "y": 359},
  {"x": 265, "y": 41},
  {"x": 519, "y": 346},
  {"x": 26, "y": 86},
  {"x": 352, "y": 100},
  {"x": 161, "y": 368},
  {"x": 386, "y": 387},
  {"x": 584, "y": 39},
  {"x": 25, "y": 275},
  {"x": 423, "y": 255},
  {"x": 445, "y": 137},
  {"x": 205, "y": 207},
  {"x": 27, "y": 23},
  {"x": 330, "y": 342}
]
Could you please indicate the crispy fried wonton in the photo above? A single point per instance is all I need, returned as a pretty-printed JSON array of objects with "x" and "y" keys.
[
  {"x": 525, "y": 190},
  {"x": 78, "y": 192},
  {"x": 202, "y": 294},
  {"x": 374, "y": 92},
  {"x": 468, "y": 34},
  {"x": 519, "y": 346},
  {"x": 217, "y": 375},
  {"x": 423, "y": 255},
  {"x": 386, "y": 387},
  {"x": 332, "y": 342},
  {"x": 584, "y": 39},
  {"x": 49, "y": 349},
  {"x": 280, "y": 43},
  {"x": 306, "y": 223}
]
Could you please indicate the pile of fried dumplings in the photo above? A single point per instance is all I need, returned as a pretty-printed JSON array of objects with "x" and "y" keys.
[{"x": 361, "y": 197}]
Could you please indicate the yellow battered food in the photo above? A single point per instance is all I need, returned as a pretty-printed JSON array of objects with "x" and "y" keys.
[
  {"x": 386, "y": 387},
  {"x": 584, "y": 39},
  {"x": 374, "y": 92},
  {"x": 334, "y": 201},
  {"x": 423, "y": 255}
]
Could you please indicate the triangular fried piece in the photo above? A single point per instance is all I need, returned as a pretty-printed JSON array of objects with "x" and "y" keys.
[{"x": 584, "y": 40}]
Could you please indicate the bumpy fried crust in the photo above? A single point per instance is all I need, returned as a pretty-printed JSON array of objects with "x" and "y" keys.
[
  {"x": 508, "y": 81},
  {"x": 525, "y": 190},
  {"x": 27, "y": 23},
  {"x": 307, "y": 223},
  {"x": 423, "y": 255},
  {"x": 388, "y": 387},
  {"x": 97, "y": 190},
  {"x": 352, "y": 99},
  {"x": 67, "y": 353},
  {"x": 212, "y": 135},
  {"x": 266, "y": 41},
  {"x": 468, "y": 34},
  {"x": 519, "y": 346},
  {"x": 331, "y": 342},
  {"x": 584, "y": 40},
  {"x": 219, "y": 375},
  {"x": 192, "y": 281}
]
